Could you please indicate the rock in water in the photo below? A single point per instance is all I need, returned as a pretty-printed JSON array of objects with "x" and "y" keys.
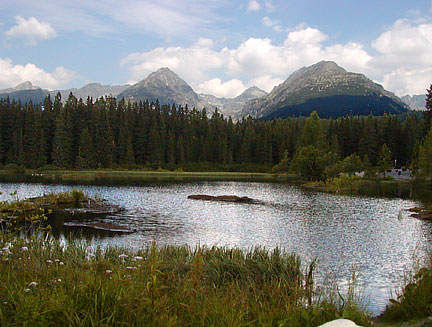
[
  {"x": 223, "y": 198},
  {"x": 340, "y": 323}
]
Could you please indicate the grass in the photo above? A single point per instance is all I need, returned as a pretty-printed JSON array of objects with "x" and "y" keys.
[
  {"x": 136, "y": 176},
  {"x": 46, "y": 283},
  {"x": 414, "y": 300},
  {"x": 47, "y": 201}
]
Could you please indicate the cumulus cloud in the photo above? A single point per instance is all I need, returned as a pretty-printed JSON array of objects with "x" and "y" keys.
[
  {"x": 404, "y": 58},
  {"x": 228, "y": 89},
  {"x": 253, "y": 5},
  {"x": 31, "y": 29},
  {"x": 13, "y": 75},
  {"x": 401, "y": 63}
]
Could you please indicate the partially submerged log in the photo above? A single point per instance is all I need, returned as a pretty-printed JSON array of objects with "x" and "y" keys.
[
  {"x": 108, "y": 227},
  {"x": 421, "y": 213},
  {"x": 223, "y": 198}
]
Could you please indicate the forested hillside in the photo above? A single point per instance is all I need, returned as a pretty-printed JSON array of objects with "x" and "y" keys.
[{"x": 107, "y": 133}]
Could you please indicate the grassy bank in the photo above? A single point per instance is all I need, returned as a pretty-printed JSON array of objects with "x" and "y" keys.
[
  {"x": 137, "y": 176},
  {"x": 45, "y": 283}
]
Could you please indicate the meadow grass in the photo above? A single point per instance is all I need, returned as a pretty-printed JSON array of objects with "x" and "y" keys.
[{"x": 44, "y": 282}]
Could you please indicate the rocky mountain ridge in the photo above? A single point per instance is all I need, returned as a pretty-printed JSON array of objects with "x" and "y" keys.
[
  {"x": 324, "y": 86},
  {"x": 321, "y": 80}
]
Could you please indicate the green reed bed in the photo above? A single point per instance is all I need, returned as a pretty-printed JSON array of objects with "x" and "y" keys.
[{"x": 47, "y": 283}]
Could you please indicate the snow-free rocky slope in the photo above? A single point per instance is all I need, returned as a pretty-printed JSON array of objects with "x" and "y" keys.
[{"x": 328, "y": 89}]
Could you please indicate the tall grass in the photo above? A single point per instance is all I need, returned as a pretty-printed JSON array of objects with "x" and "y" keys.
[
  {"x": 414, "y": 300},
  {"x": 47, "y": 283}
]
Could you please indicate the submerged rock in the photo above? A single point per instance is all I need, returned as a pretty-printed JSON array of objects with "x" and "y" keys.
[
  {"x": 340, "y": 323},
  {"x": 223, "y": 198}
]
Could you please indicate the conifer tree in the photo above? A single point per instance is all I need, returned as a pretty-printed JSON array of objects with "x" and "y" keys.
[
  {"x": 86, "y": 152},
  {"x": 62, "y": 150},
  {"x": 428, "y": 106}
]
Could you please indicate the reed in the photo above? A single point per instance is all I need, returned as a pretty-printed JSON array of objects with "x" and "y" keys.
[{"x": 47, "y": 283}]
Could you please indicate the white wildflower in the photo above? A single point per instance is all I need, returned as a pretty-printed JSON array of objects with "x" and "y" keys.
[
  {"x": 61, "y": 263},
  {"x": 49, "y": 261},
  {"x": 27, "y": 290},
  {"x": 123, "y": 256},
  {"x": 138, "y": 258},
  {"x": 108, "y": 271},
  {"x": 33, "y": 284},
  {"x": 24, "y": 248}
]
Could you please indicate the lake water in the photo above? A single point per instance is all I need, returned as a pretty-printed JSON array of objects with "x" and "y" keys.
[{"x": 376, "y": 237}]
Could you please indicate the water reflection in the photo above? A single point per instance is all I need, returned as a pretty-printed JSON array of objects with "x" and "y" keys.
[{"x": 374, "y": 236}]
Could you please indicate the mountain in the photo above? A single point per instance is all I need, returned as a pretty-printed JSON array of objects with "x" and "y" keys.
[
  {"x": 25, "y": 92},
  {"x": 328, "y": 89},
  {"x": 233, "y": 106},
  {"x": 93, "y": 90},
  {"x": 166, "y": 86},
  {"x": 415, "y": 102}
]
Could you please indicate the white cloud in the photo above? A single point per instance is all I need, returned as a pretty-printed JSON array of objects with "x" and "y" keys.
[
  {"x": 107, "y": 17},
  {"x": 256, "y": 61},
  {"x": 404, "y": 58},
  {"x": 228, "y": 89},
  {"x": 31, "y": 29},
  {"x": 253, "y": 5},
  {"x": 265, "y": 82},
  {"x": 270, "y": 6},
  {"x": 403, "y": 81},
  {"x": 13, "y": 75},
  {"x": 402, "y": 62},
  {"x": 275, "y": 24}
]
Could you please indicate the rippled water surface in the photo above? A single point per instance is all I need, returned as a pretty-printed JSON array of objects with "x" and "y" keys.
[{"x": 375, "y": 237}]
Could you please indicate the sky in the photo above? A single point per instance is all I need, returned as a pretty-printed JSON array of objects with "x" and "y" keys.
[{"x": 220, "y": 47}]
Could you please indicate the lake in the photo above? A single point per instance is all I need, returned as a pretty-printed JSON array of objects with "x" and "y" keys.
[{"x": 375, "y": 237}]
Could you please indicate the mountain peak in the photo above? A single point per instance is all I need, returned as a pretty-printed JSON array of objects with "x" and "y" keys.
[
  {"x": 328, "y": 86},
  {"x": 166, "y": 86},
  {"x": 25, "y": 86}
]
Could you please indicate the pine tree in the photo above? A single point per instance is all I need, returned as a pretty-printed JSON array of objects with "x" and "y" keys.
[
  {"x": 86, "y": 151},
  {"x": 62, "y": 150},
  {"x": 425, "y": 155},
  {"x": 428, "y": 106}
]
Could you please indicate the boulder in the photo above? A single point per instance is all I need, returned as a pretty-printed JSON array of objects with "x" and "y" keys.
[{"x": 340, "y": 323}]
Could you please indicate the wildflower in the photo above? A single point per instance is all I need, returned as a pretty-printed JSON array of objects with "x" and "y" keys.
[
  {"x": 56, "y": 260},
  {"x": 24, "y": 248},
  {"x": 59, "y": 280},
  {"x": 131, "y": 268},
  {"x": 138, "y": 258},
  {"x": 49, "y": 261},
  {"x": 123, "y": 256},
  {"x": 61, "y": 263},
  {"x": 33, "y": 284},
  {"x": 108, "y": 271},
  {"x": 5, "y": 303},
  {"x": 90, "y": 248},
  {"x": 27, "y": 290},
  {"x": 5, "y": 259}
]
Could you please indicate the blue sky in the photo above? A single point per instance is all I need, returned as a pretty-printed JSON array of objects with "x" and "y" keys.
[{"x": 218, "y": 46}]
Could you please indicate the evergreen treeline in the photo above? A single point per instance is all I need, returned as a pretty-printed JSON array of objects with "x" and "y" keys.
[{"x": 107, "y": 133}]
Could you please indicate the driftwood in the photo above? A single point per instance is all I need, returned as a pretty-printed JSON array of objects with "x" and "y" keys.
[{"x": 223, "y": 198}]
